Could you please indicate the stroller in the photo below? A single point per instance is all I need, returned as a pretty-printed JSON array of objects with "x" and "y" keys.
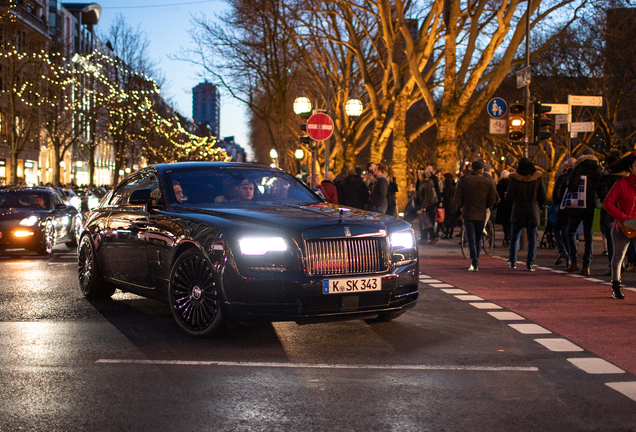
[{"x": 547, "y": 239}]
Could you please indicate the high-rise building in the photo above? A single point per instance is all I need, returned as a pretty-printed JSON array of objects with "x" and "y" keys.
[{"x": 206, "y": 106}]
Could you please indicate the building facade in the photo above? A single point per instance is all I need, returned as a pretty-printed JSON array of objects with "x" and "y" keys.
[{"x": 206, "y": 107}]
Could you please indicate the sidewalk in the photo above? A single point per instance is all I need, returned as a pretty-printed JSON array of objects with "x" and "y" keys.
[{"x": 580, "y": 309}]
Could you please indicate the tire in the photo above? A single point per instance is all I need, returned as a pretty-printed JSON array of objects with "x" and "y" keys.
[
  {"x": 464, "y": 244},
  {"x": 384, "y": 317},
  {"x": 488, "y": 240},
  {"x": 77, "y": 230},
  {"x": 90, "y": 278},
  {"x": 193, "y": 294},
  {"x": 48, "y": 240}
]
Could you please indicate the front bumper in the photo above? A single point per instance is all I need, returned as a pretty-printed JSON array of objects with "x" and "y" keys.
[{"x": 296, "y": 297}]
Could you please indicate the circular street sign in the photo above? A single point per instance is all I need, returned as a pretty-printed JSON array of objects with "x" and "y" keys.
[
  {"x": 497, "y": 107},
  {"x": 319, "y": 127}
]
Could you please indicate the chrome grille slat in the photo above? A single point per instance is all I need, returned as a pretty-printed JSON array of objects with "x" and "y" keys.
[{"x": 341, "y": 256}]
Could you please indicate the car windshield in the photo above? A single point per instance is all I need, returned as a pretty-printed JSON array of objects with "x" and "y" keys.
[
  {"x": 232, "y": 186},
  {"x": 24, "y": 199}
]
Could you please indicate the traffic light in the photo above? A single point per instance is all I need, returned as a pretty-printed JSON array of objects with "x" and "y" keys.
[
  {"x": 516, "y": 122},
  {"x": 541, "y": 122},
  {"x": 304, "y": 138}
]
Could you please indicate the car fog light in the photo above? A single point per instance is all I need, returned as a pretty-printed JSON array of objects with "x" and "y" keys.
[{"x": 22, "y": 233}]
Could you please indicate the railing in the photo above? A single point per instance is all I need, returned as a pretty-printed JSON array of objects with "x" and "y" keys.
[{"x": 23, "y": 13}]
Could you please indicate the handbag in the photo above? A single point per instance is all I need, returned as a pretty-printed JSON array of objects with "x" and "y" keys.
[
  {"x": 576, "y": 199},
  {"x": 628, "y": 228},
  {"x": 425, "y": 221},
  {"x": 440, "y": 215}
]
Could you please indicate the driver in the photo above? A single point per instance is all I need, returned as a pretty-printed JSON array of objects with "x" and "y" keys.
[
  {"x": 39, "y": 201},
  {"x": 245, "y": 191}
]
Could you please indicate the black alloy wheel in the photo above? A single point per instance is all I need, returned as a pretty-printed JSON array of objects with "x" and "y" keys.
[
  {"x": 91, "y": 281},
  {"x": 48, "y": 239},
  {"x": 194, "y": 296}
]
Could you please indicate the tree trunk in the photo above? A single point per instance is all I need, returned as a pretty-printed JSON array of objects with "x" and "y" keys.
[
  {"x": 14, "y": 167},
  {"x": 447, "y": 146},
  {"x": 400, "y": 148}
]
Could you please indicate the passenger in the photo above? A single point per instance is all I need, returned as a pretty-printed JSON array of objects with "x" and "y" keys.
[{"x": 178, "y": 191}]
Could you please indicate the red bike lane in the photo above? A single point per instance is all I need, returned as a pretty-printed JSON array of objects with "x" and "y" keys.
[{"x": 579, "y": 309}]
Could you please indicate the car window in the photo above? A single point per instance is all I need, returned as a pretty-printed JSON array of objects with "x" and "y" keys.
[
  {"x": 140, "y": 181},
  {"x": 37, "y": 200},
  {"x": 236, "y": 185},
  {"x": 55, "y": 199}
]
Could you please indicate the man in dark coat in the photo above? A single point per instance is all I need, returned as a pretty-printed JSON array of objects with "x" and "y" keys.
[
  {"x": 378, "y": 197},
  {"x": 527, "y": 194},
  {"x": 474, "y": 195},
  {"x": 586, "y": 165},
  {"x": 560, "y": 224},
  {"x": 353, "y": 192}
]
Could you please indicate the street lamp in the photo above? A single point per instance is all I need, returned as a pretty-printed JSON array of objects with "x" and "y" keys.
[
  {"x": 302, "y": 105},
  {"x": 274, "y": 155},
  {"x": 354, "y": 107}
]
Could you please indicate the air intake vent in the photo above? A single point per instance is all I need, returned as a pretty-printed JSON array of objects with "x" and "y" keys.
[{"x": 346, "y": 256}]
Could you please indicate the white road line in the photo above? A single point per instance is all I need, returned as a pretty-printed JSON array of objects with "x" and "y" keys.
[
  {"x": 530, "y": 329},
  {"x": 485, "y": 305},
  {"x": 544, "y": 268},
  {"x": 576, "y": 275},
  {"x": 506, "y": 316},
  {"x": 454, "y": 291},
  {"x": 320, "y": 365},
  {"x": 595, "y": 366},
  {"x": 627, "y": 388},
  {"x": 595, "y": 280},
  {"x": 428, "y": 281},
  {"x": 630, "y": 289},
  {"x": 441, "y": 285},
  {"x": 469, "y": 297},
  {"x": 559, "y": 345},
  {"x": 558, "y": 271}
]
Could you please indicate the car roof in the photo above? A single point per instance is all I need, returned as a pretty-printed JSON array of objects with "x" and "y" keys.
[
  {"x": 30, "y": 188},
  {"x": 163, "y": 168}
]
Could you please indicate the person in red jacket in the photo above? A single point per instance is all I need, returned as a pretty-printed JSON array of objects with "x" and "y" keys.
[
  {"x": 329, "y": 190},
  {"x": 620, "y": 203}
]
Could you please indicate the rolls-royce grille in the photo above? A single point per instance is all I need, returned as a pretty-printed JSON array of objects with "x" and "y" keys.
[{"x": 346, "y": 256}]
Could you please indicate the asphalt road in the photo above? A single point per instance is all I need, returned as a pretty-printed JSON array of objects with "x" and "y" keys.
[{"x": 67, "y": 364}]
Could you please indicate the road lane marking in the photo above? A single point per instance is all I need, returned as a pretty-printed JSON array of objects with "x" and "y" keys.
[
  {"x": 429, "y": 281},
  {"x": 455, "y": 291},
  {"x": 627, "y": 388},
  {"x": 559, "y": 345},
  {"x": 558, "y": 271},
  {"x": 576, "y": 275},
  {"x": 530, "y": 329},
  {"x": 594, "y": 280},
  {"x": 595, "y": 366},
  {"x": 320, "y": 365},
  {"x": 544, "y": 268},
  {"x": 506, "y": 316},
  {"x": 441, "y": 285},
  {"x": 486, "y": 305},
  {"x": 469, "y": 297}
]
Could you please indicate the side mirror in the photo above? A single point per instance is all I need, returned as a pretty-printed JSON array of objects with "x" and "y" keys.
[
  {"x": 60, "y": 206},
  {"x": 318, "y": 192},
  {"x": 140, "y": 197}
]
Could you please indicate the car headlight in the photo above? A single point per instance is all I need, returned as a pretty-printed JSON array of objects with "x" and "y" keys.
[
  {"x": 29, "y": 221},
  {"x": 403, "y": 240},
  {"x": 262, "y": 245}
]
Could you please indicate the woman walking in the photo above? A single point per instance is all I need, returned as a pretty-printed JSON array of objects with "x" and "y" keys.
[{"x": 620, "y": 203}]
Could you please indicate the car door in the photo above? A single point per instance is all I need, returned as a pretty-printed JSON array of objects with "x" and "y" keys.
[
  {"x": 60, "y": 216},
  {"x": 127, "y": 227}
]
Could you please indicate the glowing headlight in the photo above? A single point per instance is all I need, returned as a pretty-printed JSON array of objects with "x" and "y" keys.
[
  {"x": 262, "y": 245},
  {"x": 29, "y": 221},
  {"x": 402, "y": 240}
]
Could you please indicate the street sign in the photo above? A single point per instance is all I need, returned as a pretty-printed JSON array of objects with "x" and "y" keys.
[
  {"x": 582, "y": 127},
  {"x": 523, "y": 77},
  {"x": 557, "y": 108},
  {"x": 560, "y": 118},
  {"x": 497, "y": 108},
  {"x": 498, "y": 126},
  {"x": 596, "y": 101},
  {"x": 319, "y": 127}
]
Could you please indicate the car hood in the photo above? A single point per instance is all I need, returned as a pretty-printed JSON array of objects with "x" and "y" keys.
[
  {"x": 8, "y": 214},
  {"x": 301, "y": 218}
]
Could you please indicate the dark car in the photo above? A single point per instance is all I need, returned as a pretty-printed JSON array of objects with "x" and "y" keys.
[
  {"x": 241, "y": 243},
  {"x": 37, "y": 219}
]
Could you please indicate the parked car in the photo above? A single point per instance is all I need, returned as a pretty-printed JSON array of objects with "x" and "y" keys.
[
  {"x": 241, "y": 242},
  {"x": 73, "y": 199},
  {"x": 89, "y": 200},
  {"x": 35, "y": 218}
]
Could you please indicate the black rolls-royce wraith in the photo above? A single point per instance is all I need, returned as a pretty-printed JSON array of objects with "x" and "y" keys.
[{"x": 241, "y": 242}]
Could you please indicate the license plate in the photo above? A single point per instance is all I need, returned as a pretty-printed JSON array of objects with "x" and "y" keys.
[{"x": 351, "y": 285}]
